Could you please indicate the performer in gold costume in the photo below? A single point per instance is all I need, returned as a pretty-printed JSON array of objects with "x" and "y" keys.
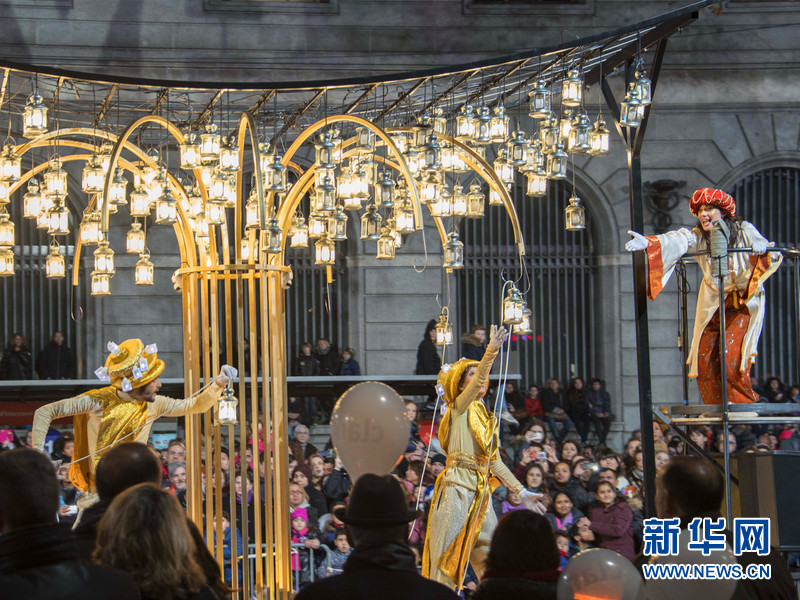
[
  {"x": 461, "y": 521},
  {"x": 123, "y": 411}
]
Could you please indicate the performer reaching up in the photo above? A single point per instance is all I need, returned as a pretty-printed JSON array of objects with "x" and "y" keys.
[
  {"x": 744, "y": 292},
  {"x": 459, "y": 525},
  {"x": 123, "y": 411}
]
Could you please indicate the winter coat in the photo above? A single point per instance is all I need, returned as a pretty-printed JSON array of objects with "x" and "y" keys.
[
  {"x": 55, "y": 362},
  {"x": 16, "y": 364},
  {"x": 472, "y": 347},
  {"x": 577, "y": 403},
  {"x": 613, "y": 528},
  {"x": 551, "y": 400},
  {"x": 305, "y": 366},
  {"x": 599, "y": 401},
  {"x": 329, "y": 362},
  {"x": 539, "y": 585},
  {"x": 336, "y": 562},
  {"x": 579, "y": 495},
  {"x": 558, "y": 523},
  {"x": 350, "y": 367},
  {"x": 428, "y": 361}
]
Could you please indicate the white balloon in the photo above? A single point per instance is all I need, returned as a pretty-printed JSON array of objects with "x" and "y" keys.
[{"x": 600, "y": 573}]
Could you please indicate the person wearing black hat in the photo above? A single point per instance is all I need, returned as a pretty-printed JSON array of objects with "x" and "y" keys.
[{"x": 382, "y": 565}]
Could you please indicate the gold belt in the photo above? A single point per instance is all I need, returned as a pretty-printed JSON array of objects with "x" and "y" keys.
[{"x": 467, "y": 461}]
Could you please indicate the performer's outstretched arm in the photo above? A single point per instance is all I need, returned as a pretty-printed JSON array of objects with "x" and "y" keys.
[
  {"x": 169, "y": 407},
  {"x": 79, "y": 405},
  {"x": 472, "y": 389}
]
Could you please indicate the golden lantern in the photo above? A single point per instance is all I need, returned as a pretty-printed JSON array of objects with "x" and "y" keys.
[
  {"x": 229, "y": 156},
  {"x": 539, "y": 100},
  {"x": 321, "y": 173},
  {"x": 386, "y": 247},
  {"x": 55, "y": 180},
  {"x": 32, "y": 200},
  {"x": 548, "y": 134},
  {"x": 459, "y": 201},
  {"x": 398, "y": 239},
  {"x": 475, "y": 201},
  {"x": 631, "y": 110},
  {"x": 325, "y": 197},
  {"x": 513, "y": 305},
  {"x": 93, "y": 178},
  {"x": 572, "y": 88},
  {"x": 557, "y": 163},
  {"x": 215, "y": 213},
  {"x": 317, "y": 226},
  {"x": 453, "y": 252},
  {"x": 465, "y": 124},
  {"x": 482, "y": 126},
  {"x": 432, "y": 154},
  {"x": 338, "y": 146},
  {"x": 504, "y": 170},
  {"x": 498, "y": 126},
  {"x": 517, "y": 149},
  {"x": 337, "y": 225},
  {"x": 439, "y": 121},
  {"x": 226, "y": 407},
  {"x": 444, "y": 330},
  {"x": 384, "y": 190},
  {"x": 229, "y": 191},
  {"x": 104, "y": 259},
  {"x": 140, "y": 202},
  {"x": 219, "y": 182},
  {"x": 400, "y": 139},
  {"x": 274, "y": 237},
  {"x": 525, "y": 327},
  {"x": 190, "y": 151},
  {"x": 58, "y": 219},
  {"x": 370, "y": 223},
  {"x": 404, "y": 217},
  {"x": 55, "y": 267},
  {"x": 565, "y": 125},
  {"x": 143, "y": 270},
  {"x": 166, "y": 207},
  {"x": 429, "y": 189},
  {"x": 324, "y": 151},
  {"x": 118, "y": 188},
  {"x": 575, "y": 214},
  {"x": 298, "y": 233},
  {"x": 536, "y": 182},
  {"x": 209, "y": 145},
  {"x": 324, "y": 251},
  {"x": 265, "y": 156},
  {"x": 412, "y": 156},
  {"x": 134, "y": 240},
  {"x": 6, "y": 231},
  {"x": 495, "y": 197},
  {"x": 6, "y": 262},
  {"x": 206, "y": 171},
  {"x": 43, "y": 220},
  {"x": 202, "y": 227},
  {"x": 10, "y": 164},
  {"x": 275, "y": 175},
  {"x": 251, "y": 218},
  {"x": 422, "y": 130},
  {"x": 34, "y": 117},
  {"x": 101, "y": 284},
  {"x": 443, "y": 205},
  {"x": 248, "y": 250},
  {"x": 89, "y": 231},
  {"x": 600, "y": 139},
  {"x": 5, "y": 192},
  {"x": 578, "y": 140},
  {"x": 365, "y": 140}
]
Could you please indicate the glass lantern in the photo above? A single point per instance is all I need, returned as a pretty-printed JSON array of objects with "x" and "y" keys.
[
  {"x": 400, "y": 140},
  {"x": 370, "y": 224},
  {"x": 539, "y": 100},
  {"x": 421, "y": 130},
  {"x": 104, "y": 259},
  {"x": 600, "y": 139},
  {"x": 43, "y": 220},
  {"x": 325, "y": 197},
  {"x": 190, "y": 151},
  {"x": 384, "y": 190},
  {"x": 525, "y": 327},
  {"x": 565, "y": 125},
  {"x": 459, "y": 201},
  {"x": 429, "y": 189},
  {"x": 215, "y": 213},
  {"x": 5, "y": 192},
  {"x": 439, "y": 121},
  {"x": 338, "y": 146},
  {"x": 444, "y": 330},
  {"x": 6, "y": 231},
  {"x": 324, "y": 251},
  {"x": 503, "y": 169},
  {"x": 202, "y": 228},
  {"x": 219, "y": 181},
  {"x": 386, "y": 247},
  {"x": 443, "y": 205},
  {"x": 58, "y": 219},
  {"x": 548, "y": 134},
  {"x": 248, "y": 250},
  {"x": 412, "y": 158},
  {"x": 642, "y": 84},
  {"x": 55, "y": 180},
  {"x": 337, "y": 225},
  {"x": 166, "y": 207},
  {"x": 516, "y": 150},
  {"x": 32, "y": 200},
  {"x": 229, "y": 156},
  {"x": 578, "y": 141},
  {"x": 134, "y": 240},
  {"x": 209, "y": 145},
  {"x": 475, "y": 202},
  {"x": 398, "y": 239},
  {"x": 432, "y": 153},
  {"x": 140, "y": 202},
  {"x": 557, "y": 163},
  {"x": 298, "y": 233},
  {"x": 93, "y": 178},
  {"x": 495, "y": 197},
  {"x": 575, "y": 214},
  {"x": 101, "y": 284},
  {"x": 324, "y": 152},
  {"x": 89, "y": 231},
  {"x": 104, "y": 155},
  {"x": 465, "y": 124},
  {"x": 6, "y": 262},
  {"x": 482, "y": 126},
  {"x": 498, "y": 126},
  {"x": 226, "y": 408},
  {"x": 143, "y": 270},
  {"x": 365, "y": 140},
  {"x": 118, "y": 188},
  {"x": 453, "y": 252},
  {"x": 55, "y": 267},
  {"x": 572, "y": 89},
  {"x": 631, "y": 108},
  {"x": 10, "y": 164},
  {"x": 513, "y": 305},
  {"x": 317, "y": 226},
  {"x": 34, "y": 117},
  {"x": 404, "y": 218},
  {"x": 275, "y": 175},
  {"x": 273, "y": 238},
  {"x": 536, "y": 183}
]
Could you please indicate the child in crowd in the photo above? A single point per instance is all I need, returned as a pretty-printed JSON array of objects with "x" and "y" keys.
[
  {"x": 581, "y": 538},
  {"x": 338, "y": 557},
  {"x": 611, "y": 520},
  {"x": 562, "y": 543},
  {"x": 512, "y": 502},
  {"x": 227, "y": 554},
  {"x": 305, "y": 534}
]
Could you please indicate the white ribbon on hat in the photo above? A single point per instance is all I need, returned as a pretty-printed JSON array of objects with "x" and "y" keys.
[
  {"x": 113, "y": 348},
  {"x": 151, "y": 349},
  {"x": 102, "y": 374},
  {"x": 126, "y": 385}
]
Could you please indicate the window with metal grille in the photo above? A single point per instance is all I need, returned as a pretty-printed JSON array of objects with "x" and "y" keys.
[
  {"x": 769, "y": 199},
  {"x": 560, "y": 270}
]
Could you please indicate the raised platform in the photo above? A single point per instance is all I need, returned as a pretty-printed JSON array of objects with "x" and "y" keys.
[{"x": 712, "y": 414}]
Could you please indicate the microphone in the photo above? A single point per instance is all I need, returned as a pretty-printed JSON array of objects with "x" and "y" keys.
[{"x": 719, "y": 249}]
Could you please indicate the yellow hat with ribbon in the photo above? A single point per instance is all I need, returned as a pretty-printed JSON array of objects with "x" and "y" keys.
[
  {"x": 131, "y": 364},
  {"x": 450, "y": 376}
]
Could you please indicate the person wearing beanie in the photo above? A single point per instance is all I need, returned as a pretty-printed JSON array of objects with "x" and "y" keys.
[{"x": 744, "y": 291}]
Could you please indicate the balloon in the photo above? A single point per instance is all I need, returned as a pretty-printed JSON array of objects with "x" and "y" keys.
[
  {"x": 369, "y": 428},
  {"x": 602, "y": 575},
  {"x": 692, "y": 589}
]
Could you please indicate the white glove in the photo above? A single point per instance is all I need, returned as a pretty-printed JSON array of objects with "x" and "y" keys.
[
  {"x": 531, "y": 501},
  {"x": 759, "y": 246},
  {"x": 497, "y": 336},
  {"x": 227, "y": 373},
  {"x": 639, "y": 242}
]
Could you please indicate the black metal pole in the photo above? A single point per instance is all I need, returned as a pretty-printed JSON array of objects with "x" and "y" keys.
[
  {"x": 723, "y": 374},
  {"x": 683, "y": 332}
]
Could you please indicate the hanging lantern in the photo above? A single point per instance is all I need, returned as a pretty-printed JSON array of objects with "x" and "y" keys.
[
  {"x": 251, "y": 217},
  {"x": 465, "y": 124},
  {"x": 229, "y": 156},
  {"x": 273, "y": 243},
  {"x": 226, "y": 407},
  {"x": 482, "y": 126},
  {"x": 6, "y": 231},
  {"x": 530, "y": 158},
  {"x": 575, "y": 214},
  {"x": 55, "y": 267},
  {"x": 93, "y": 178},
  {"x": 400, "y": 140},
  {"x": 156, "y": 187},
  {"x": 299, "y": 232},
  {"x": 143, "y": 270},
  {"x": 58, "y": 219},
  {"x": 46, "y": 205},
  {"x": 229, "y": 191},
  {"x": 202, "y": 227},
  {"x": 337, "y": 225},
  {"x": 215, "y": 213},
  {"x": 140, "y": 202},
  {"x": 365, "y": 140},
  {"x": 264, "y": 157},
  {"x": 5, "y": 192},
  {"x": 565, "y": 125},
  {"x": 578, "y": 141},
  {"x": 498, "y": 126},
  {"x": 548, "y": 134},
  {"x": 525, "y": 327},
  {"x": 631, "y": 108},
  {"x": 104, "y": 259},
  {"x": 206, "y": 171},
  {"x": 249, "y": 251},
  {"x": 642, "y": 84},
  {"x": 404, "y": 218},
  {"x": 444, "y": 330},
  {"x": 370, "y": 224},
  {"x": 453, "y": 252},
  {"x": 572, "y": 88},
  {"x": 439, "y": 121},
  {"x": 516, "y": 150},
  {"x": 219, "y": 181},
  {"x": 32, "y": 200},
  {"x": 539, "y": 100},
  {"x": 537, "y": 183},
  {"x": 513, "y": 305},
  {"x": 443, "y": 205},
  {"x": 166, "y": 207},
  {"x": 412, "y": 157},
  {"x": 55, "y": 180},
  {"x": 324, "y": 152},
  {"x": 475, "y": 201},
  {"x": 324, "y": 251},
  {"x": 10, "y": 164},
  {"x": 557, "y": 163},
  {"x": 386, "y": 247},
  {"x": 118, "y": 188},
  {"x": 422, "y": 130},
  {"x": 209, "y": 145},
  {"x": 89, "y": 232},
  {"x": 495, "y": 197},
  {"x": 134, "y": 240},
  {"x": 350, "y": 196},
  {"x": 190, "y": 151},
  {"x": 34, "y": 119},
  {"x": 101, "y": 284},
  {"x": 384, "y": 190},
  {"x": 504, "y": 170},
  {"x": 459, "y": 201},
  {"x": 6, "y": 262},
  {"x": 599, "y": 138},
  {"x": 324, "y": 197},
  {"x": 275, "y": 175},
  {"x": 398, "y": 239},
  {"x": 149, "y": 172},
  {"x": 338, "y": 146},
  {"x": 317, "y": 225},
  {"x": 432, "y": 154},
  {"x": 429, "y": 189}
]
